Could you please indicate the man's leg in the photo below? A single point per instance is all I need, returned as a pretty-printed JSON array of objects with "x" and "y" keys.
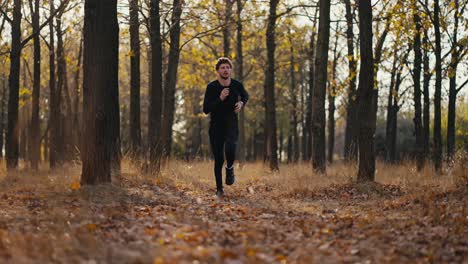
[
  {"x": 217, "y": 146},
  {"x": 230, "y": 149},
  {"x": 232, "y": 135}
]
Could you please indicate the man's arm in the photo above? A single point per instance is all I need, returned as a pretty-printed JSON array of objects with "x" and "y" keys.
[
  {"x": 244, "y": 95},
  {"x": 211, "y": 100}
]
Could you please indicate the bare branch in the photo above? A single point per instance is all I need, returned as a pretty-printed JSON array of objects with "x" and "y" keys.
[
  {"x": 61, "y": 7},
  {"x": 462, "y": 86}
]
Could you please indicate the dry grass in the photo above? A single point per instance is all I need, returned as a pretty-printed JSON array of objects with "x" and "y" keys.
[
  {"x": 140, "y": 217},
  {"x": 293, "y": 177}
]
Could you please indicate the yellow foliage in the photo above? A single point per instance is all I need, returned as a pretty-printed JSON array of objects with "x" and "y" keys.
[{"x": 75, "y": 186}]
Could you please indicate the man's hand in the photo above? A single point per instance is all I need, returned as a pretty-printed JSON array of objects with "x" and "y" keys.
[
  {"x": 224, "y": 94},
  {"x": 239, "y": 106}
]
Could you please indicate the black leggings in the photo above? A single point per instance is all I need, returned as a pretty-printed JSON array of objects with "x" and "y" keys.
[{"x": 223, "y": 140}]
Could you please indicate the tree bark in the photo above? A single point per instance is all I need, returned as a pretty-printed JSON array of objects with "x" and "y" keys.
[
  {"x": 76, "y": 99},
  {"x": 135, "y": 129},
  {"x": 240, "y": 77},
  {"x": 65, "y": 116},
  {"x": 393, "y": 119},
  {"x": 351, "y": 132},
  {"x": 2, "y": 114},
  {"x": 54, "y": 111},
  {"x": 437, "y": 93},
  {"x": 12, "y": 134},
  {"x": 156, "y": 92},
  {"x": 308, "y": 122},
  {"x": 427, "y": 105},
  {"x": 226, "y": 28},
  {"x": 390, "y": 116},
  {"x": 331, "y": 102},
  {"x": 453, "y": 85},
  {"x": 35, "y": 121},
  {"x": 269, "y": 88},
  {"x": 294, "y": 104},
  {"x": 320, "y": 84},
  {"x": 171, "y": 79},
  {"x": 100, "y": 83},
  {"x": 417, "y": 91},
  {"x": 366, "y": 113}
]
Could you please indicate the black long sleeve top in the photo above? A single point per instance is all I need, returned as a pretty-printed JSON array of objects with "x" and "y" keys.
[{"x": 223, "y": 110}]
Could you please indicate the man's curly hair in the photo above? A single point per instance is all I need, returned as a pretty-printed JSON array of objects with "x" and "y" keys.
[{"x": 223, "y": 60}]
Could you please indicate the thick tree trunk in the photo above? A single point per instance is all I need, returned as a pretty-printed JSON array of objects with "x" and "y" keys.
[
  {"x": 240, "y": 77},
  {"x": 269, "y": 88},
  {"x": 438, "y": 90},
  {"x": 308, "y": 123},
  {"x": 366, "y": 113},
  {"x": 453, "y": 86},
  {"x": 417, "y": 92},
  {"x": 101, "y": 44},
  {"x": 135, "y": 129},
  {"x": 226, "y": 28},
  {"x": 427, "y": 104},
  {"x": 320, "y": 85},
  {"x": 171, "y": 79},
  {"x": 35, "y": 121},
  {"x": 54, "y": 111},
  {"x": 12, "y": 134},
  {"x": 156, "y": 91}
]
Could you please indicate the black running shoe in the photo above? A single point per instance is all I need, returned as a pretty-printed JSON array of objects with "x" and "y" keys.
[
  {"x": 230, "y": 177},
  {"x": 220, "y": 194}
]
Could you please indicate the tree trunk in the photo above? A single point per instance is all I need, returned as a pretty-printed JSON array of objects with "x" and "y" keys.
[
  {"x": 76, "y": 100},
  {"x": 35, "y": 121},
  {"x": 366, "y": 113},
  {"x": 65, "y": 110},
  {"x": 427, "y": 104},
  {"x": 171, "y": 80},
  {"x": 390, "y": 117},
  {"x": 308, "y": 122},
  {"x": 135, "y": 129},
  {"x": 269, "y": 88},
  {"x": 453, "y": 86},
  {"x": 2, "y": 114},
  {"x": 226, "y": 28},
  {"x": 417, "y": 92},
  {"x": 351, "y": 132},
  {"x": 320, "y": 85},
  {"x": 101, "y": 44},
  {"x": 54, "y": 111},
  {"x": 156, "y": 92},
  {"x": 293, "y": 121},
  {"x": 377, "y": 59},
  {"x": 394, "y": 119},
  {"x": 240, "y": 77},
  {"x": 438, "y": 90},
  {"x": 331, "y": 102},
  {"x": 12, "y": 134}
]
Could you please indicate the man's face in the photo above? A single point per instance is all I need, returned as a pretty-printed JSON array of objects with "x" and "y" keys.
[{"x": 224, "y": 71}]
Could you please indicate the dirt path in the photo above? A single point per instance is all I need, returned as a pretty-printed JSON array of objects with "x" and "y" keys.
[{"x": 164, "y": 223}]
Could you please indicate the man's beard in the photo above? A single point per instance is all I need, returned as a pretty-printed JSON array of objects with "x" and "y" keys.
[{"x": 224, "y": 78}]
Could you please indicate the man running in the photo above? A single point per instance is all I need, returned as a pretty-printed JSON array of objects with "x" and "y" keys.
[{"x": 224, "y": 99}]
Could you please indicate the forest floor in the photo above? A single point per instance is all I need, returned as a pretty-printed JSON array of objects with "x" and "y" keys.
[{"x": 293, "y": 216}]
